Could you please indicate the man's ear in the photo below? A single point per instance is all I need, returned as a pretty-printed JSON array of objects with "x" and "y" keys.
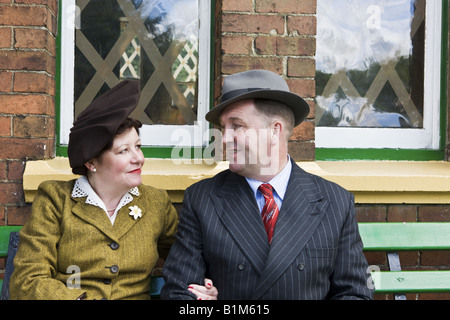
[{"x": 277, "y": 132}]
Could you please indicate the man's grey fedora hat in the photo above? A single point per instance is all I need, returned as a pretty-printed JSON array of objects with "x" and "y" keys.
[{"x": 258, "y": 84}]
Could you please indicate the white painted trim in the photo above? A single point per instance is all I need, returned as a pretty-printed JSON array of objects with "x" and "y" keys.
[
  {"x": 152, "y": 135},
  {"x": 396, "y": 138}
]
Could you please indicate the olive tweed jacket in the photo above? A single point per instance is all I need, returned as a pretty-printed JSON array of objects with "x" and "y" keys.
[{"x": 65, "y": 235}]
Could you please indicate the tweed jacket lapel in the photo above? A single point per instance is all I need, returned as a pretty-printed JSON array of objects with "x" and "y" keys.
[
  {"x": 94, "y": 216},
  {"x": 301, "y": 212},
  {"x": 240, "y": 215},
  {"x": 97, "y": 217}
]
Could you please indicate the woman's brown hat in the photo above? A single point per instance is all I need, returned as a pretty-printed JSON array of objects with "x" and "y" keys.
[{"x": 96, "y": 126}]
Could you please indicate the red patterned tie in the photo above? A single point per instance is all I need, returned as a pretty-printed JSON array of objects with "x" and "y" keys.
[{"x": 270, "y": 210}]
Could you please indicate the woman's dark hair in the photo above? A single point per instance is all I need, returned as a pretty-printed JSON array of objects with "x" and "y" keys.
[{"x": 126, "y": 125}]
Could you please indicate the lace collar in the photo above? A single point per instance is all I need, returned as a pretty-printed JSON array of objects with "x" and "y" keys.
[{"x": 82, "y": 188}]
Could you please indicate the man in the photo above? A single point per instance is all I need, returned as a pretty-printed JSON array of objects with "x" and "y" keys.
[{"x": 295, "y": 239}]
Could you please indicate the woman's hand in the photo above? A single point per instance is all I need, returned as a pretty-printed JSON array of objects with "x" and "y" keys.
[{"x": 206, "y": 292}]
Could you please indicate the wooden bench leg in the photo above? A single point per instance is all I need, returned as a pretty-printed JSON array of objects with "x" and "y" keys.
[{"x": 394, "y": 265}]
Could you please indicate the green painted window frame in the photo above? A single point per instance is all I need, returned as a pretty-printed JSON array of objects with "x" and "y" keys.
[
  {"x": 337, "y": 154},
  {"x": 149, "y": 151}
]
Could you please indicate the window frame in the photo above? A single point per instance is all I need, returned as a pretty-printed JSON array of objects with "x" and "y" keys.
[
  {"x": 339, "y": 143},
  {"x": 158, "y": 140}
]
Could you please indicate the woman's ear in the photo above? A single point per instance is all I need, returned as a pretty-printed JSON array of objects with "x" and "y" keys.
[{"x": 90, "y": 166}]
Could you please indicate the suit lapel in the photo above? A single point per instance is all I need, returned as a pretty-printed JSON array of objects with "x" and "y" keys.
[
  {"x": 240, "y": 215},
  {"x": 301, "y": 212}
]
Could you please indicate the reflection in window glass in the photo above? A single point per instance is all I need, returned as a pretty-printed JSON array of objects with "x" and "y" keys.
[
  {"x": 370, "y": 63},
  {"x": 155, "y": 41}
]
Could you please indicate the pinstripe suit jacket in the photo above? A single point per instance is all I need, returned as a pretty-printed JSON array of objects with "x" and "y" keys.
[{"x": 316, "y": 251}]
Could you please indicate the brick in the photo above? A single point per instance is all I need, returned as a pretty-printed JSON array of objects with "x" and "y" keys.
[
  {"x": 5, "y": 38},
  {"x": 30, "y": 149},
  {"x": 302, "y": 150},
  {"x": 285, "y": 46},
  {"x": 3, "y": 170},
  {"x": 402, "y": 214},
  {"x": 2, "y": 216},
  {"x": 371, "y": 213},
  {"x": 34, "y": 39},
  {"x": 301, "y": 67},
  {"x": 435, "y": 258},
  {"x": 286, "y": 6},
  {"x": 434, "y": 296},
  {"x": 15, "y": 170},
  {"x": 296, "y": 46},
  {"x": 33, "y": 127},
  {"x": 18, "y": 215},
  {"x": 305, "y": 88},
  {"x": 27, "y": 104},
  {"x": 233, "y": 64},
  {"x": 303, "y": 132},
  {"x": 52, "y": 4},
  {"x": 5, "y": 81},
  {"x": 24, "y": 16},
  {"x": 11, "y": 193},
  {"x": 27, "y": 60},
  {"x": 434, "y": 213},
  {"x": 237, "y": 45},
  {"x": 244, "y": 23},
  {"x": 237, "y": 5},
  {"x": 266, "y": 45},
  {"x": 34, "y": 83},
  {"x": 5, "y": 126},
  {"x": 302, "y": 25},
  {"x": 409, "y": 260}
]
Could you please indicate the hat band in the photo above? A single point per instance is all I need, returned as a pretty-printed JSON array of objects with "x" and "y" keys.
[{"x": 235, "y": 93}]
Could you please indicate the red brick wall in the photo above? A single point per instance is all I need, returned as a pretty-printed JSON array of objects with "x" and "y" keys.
[
  {"x": 27, "y": 89},
  {"x": 278, "y": 36}
]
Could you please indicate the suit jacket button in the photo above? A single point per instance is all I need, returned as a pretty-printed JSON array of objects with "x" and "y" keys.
[
  {"x": 241, "y": 266},
  {"x": 301, "y": 267},
  {"x": 114, "y": 269},
  {"x": 114, "y": 245}
]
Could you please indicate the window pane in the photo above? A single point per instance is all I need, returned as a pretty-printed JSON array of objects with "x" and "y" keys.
[
  {"x": 370, "y": 63},
  {"x": 155, "y": 41}
]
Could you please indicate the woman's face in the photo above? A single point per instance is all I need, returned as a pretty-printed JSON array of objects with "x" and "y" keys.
[{"x": 120, "y": 166}]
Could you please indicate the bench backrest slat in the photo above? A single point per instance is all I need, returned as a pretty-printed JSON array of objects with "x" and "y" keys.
[
  {"x": 411, "y": 281},
  {"x": 4, "y": 238},
  {"x": 393, "y": 236}
]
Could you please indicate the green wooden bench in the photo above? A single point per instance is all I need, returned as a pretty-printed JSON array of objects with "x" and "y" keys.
[
  {"x": 388, "y": 237},
  {"x": 392, "y": 238}
]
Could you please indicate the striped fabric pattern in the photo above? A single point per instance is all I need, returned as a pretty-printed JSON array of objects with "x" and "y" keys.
[{"x": 316, "y": 251}]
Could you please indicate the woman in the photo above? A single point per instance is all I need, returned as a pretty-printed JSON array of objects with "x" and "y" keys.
[{"x": 99, "y": 236}]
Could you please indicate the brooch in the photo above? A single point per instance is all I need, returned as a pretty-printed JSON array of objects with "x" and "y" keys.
[{"x": 135, "y": 212}]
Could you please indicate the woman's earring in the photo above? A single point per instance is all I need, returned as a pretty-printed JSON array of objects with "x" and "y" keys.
[{"x": 94, "y": 170}]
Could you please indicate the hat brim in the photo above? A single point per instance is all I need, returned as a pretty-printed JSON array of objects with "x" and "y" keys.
[{"x": 296, "y": 103}]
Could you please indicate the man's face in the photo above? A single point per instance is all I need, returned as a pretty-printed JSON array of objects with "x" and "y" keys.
[{"x": 246, "y": 138}]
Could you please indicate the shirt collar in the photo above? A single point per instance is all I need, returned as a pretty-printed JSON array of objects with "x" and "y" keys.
[
  {"x": 279, "y": 182},
  {"x": 82, "y": 188}
]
